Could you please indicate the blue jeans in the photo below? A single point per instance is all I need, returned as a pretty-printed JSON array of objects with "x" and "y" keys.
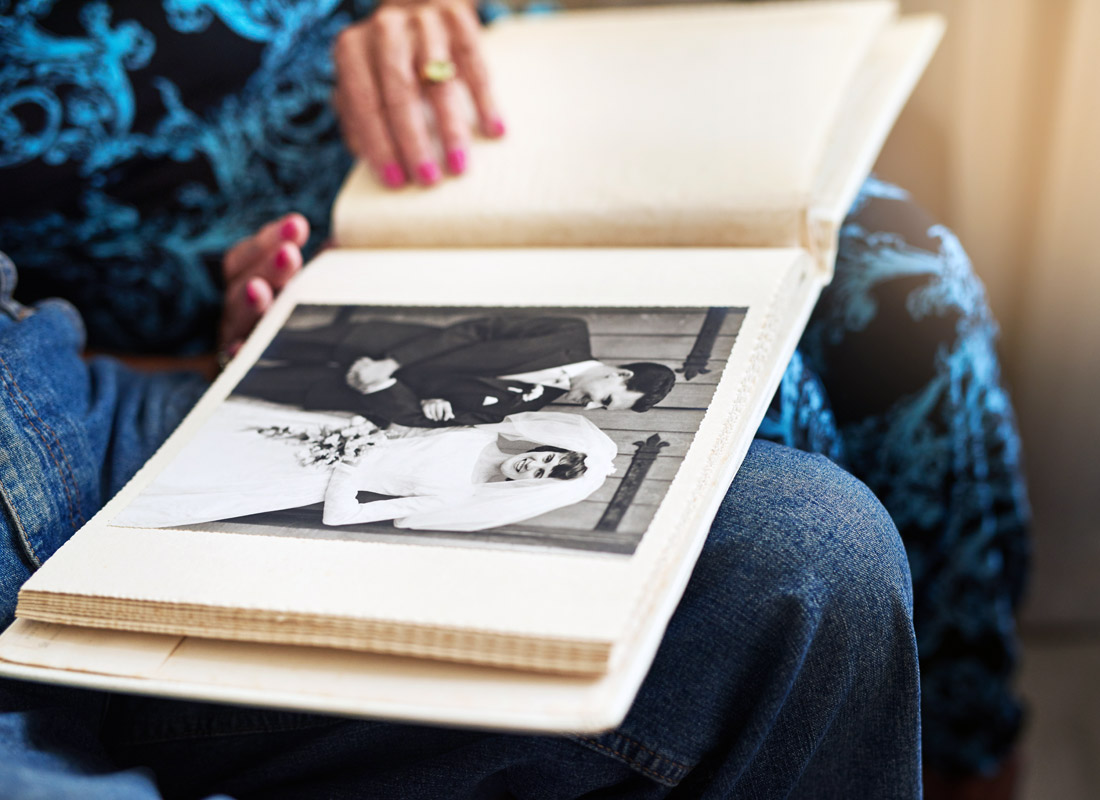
[{"x": 788, "y": 670}]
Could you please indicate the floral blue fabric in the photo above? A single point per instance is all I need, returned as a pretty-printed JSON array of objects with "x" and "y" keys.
[{"x": 140, "y": 139}]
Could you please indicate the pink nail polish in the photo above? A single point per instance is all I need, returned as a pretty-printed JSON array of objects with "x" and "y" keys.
[
  {"x": 456, "y": 161},
  {"x": 496, "y": 127},
  {"x": 428, "y": 173},
  {"x": 282, "y": 258},
  {"x": 252, "y": 293},
  {"x": 288, "y": 230},
  {"x": 393, "y": 176}
]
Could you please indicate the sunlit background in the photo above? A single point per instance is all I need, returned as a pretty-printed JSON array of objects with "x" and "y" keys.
[{"x": 1002, "y": 143}]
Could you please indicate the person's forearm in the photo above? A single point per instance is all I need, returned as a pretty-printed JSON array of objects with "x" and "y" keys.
[
  {"x": 340, "y": 502},
  {"x": 341, "y": 507}
]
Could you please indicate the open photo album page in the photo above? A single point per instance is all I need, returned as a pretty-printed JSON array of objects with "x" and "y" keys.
[{"x": 532, "y": 427}]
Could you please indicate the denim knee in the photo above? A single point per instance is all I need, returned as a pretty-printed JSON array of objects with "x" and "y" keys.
[
  {"x": 806, "y": 558},
  {"x": 73, "y": 432},
  {"x": 791, "y": 656},
  {"x": 798, "y": 523}
]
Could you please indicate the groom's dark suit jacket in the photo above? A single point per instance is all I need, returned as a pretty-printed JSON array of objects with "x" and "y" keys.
[{"x": 461, "y": 363}]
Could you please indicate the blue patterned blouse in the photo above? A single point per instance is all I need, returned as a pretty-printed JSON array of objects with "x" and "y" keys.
[{"x": 128, "y": 168}]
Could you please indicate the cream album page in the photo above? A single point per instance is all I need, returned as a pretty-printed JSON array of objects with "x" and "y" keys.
[
  {"x": 235, "y": 514},
  {"x": 656, "y": 151},
  {"x": 534, "y": 589}
]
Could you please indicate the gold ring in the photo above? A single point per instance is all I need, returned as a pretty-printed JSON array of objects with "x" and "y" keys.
[{"x": 438, "y": 71}]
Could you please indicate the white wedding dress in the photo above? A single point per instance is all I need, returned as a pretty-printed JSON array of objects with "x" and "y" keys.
[
  {"x": 230, "y": 469},
  {"x": 449, "y": 480}
]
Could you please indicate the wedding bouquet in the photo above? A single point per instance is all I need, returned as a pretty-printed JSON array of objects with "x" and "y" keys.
[{"x": 327, "y": 445}]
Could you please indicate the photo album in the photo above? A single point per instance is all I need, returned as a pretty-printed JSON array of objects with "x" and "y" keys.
[{"x": 461, "y": 471}]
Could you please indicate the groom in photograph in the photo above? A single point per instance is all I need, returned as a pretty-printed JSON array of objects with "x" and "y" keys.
[{"x": 474, "y": 371}]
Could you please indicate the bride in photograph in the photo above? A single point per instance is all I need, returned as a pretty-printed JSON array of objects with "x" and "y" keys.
[
  {"x": 459, "y": 479},
  {"x": 253, "y": 457}
]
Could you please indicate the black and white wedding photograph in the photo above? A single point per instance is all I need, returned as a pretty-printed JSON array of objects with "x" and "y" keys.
[{"x": 545, "y": 427}]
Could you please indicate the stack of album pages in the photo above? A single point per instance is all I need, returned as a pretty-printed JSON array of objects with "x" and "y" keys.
[{"x": 462, "y": 470}]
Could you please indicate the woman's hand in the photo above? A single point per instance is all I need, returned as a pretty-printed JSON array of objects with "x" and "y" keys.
[
  {"x": 255, "y": 271},
  {"x": 386, "y": 64}
]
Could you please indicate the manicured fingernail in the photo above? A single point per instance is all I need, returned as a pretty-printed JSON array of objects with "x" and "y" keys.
[
  {"x": 393, "y": 176},
  {"x": 428, "y": 173},
  {"x": 282, "y": 258},
  {"x": 456, "y": 161},
  {"x": 496, "y": 127},
  {"x": 252, "y": 293},
  {"x": 288, "y": 230}
]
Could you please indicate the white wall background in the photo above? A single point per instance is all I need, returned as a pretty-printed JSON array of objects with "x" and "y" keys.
[{"x": 1002, "y": 142}]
